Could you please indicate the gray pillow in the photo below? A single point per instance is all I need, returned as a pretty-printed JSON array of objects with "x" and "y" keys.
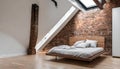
[
  {"x": 93, "y": 43},
  {"x": 82, "y": 45},
  {"x": 78, "y": 42},
  {"x": 63, "y": 47}
]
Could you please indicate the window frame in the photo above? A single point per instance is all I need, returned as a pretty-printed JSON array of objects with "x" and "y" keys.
[{"x": 86, "y": 8}]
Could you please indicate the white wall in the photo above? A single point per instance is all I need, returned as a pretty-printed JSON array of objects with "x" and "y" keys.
[
  {"x": 116, "y": 32},
  {"x": 49, "y": 15},
  {"x": 15, "y": 16}
]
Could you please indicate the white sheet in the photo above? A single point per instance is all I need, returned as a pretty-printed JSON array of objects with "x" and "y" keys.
[{"x": 77, "y": 52}]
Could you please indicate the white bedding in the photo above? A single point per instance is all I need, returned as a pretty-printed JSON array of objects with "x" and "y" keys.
[{"x": 76, "y": 52}]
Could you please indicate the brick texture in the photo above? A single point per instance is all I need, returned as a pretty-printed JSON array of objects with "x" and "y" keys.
[{"x": 94, "y": 22}]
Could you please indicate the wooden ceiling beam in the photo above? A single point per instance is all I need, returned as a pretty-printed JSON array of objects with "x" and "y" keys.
[{"x": 100, "y": 5}]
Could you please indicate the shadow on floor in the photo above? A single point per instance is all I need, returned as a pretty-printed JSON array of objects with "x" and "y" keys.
[{"x": 91, "y": 64}]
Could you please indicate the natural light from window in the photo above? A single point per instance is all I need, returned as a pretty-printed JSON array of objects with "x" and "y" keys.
[{"x": 88, "y": 3}]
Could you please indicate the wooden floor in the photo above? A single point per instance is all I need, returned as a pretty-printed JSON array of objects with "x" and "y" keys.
[{"x": 47, "y": 62}]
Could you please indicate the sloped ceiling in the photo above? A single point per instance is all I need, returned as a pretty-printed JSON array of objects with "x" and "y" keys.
[{"x": 99, "y": 3}]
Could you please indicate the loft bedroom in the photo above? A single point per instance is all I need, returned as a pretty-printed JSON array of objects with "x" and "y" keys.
[{"x": 84, "y": 33}]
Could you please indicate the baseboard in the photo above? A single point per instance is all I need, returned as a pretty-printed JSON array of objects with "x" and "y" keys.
[
  {"x": 13, "y": 55},
  {"x": 116, "y": 56}
]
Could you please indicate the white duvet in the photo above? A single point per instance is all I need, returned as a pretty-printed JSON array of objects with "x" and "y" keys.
[{"x": 76, "y": 52}]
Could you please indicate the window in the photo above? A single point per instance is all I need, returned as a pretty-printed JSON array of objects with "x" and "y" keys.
[{"x": 88, "y": 4}]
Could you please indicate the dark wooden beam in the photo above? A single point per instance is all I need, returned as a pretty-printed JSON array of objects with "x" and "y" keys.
[
  {"x": 100, "y": 5},
  {"x": 103, "y": 2},
  {"x": 34, "y": 29}
]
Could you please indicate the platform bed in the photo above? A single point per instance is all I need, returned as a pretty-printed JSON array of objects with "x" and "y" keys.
[{"x": 85, "y": 56}]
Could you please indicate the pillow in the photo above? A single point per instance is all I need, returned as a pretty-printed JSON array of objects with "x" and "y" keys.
[
  {"x": 72, "y": 47},
  {"x": 78, "y": 42},
  {"x": 82, "y": 45},
  {"x": 63, "y": 47},
  {"x": 93, "y": 43}
]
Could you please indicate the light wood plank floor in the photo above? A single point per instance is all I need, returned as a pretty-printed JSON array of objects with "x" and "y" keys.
[{"x": 47, "y": 62}]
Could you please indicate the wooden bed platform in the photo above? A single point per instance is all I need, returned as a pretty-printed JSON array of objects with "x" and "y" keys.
[{"x": 72, "y": 40}]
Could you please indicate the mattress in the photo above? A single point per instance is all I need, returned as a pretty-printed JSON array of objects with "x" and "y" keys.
[{"x": 75, "y": 52}]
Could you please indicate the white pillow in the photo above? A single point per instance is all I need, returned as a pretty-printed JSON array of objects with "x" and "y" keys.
[
  {"x": 82, "y": 45},
  {"x": 93, "y": 43},
  {"x": 78, "y": 42}
]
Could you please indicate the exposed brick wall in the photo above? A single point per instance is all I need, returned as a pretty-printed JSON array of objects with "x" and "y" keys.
[{"x": 94, "y": 22}]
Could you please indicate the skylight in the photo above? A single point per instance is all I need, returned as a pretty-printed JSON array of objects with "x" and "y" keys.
[{"x": 88, "y": 4}]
